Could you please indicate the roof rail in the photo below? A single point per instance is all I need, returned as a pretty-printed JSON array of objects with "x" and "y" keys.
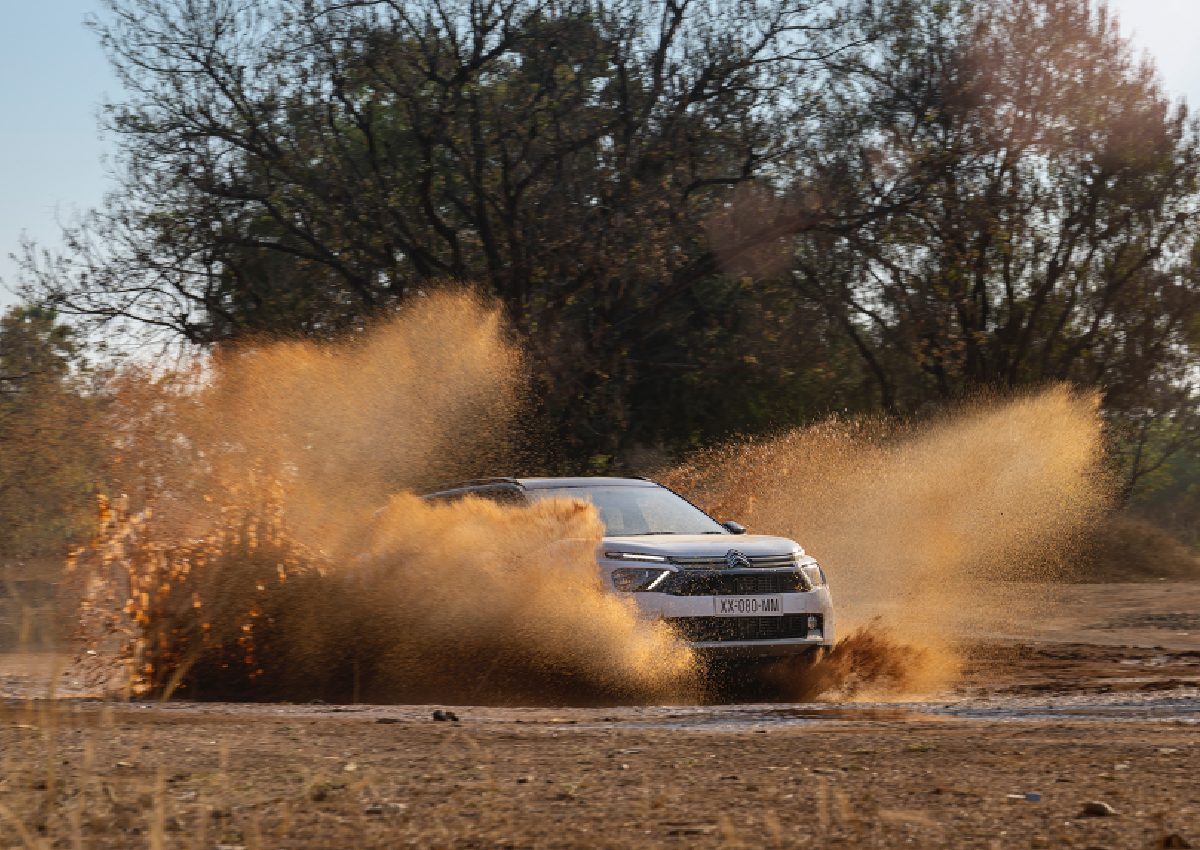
[{"x": 474, "y": 482}]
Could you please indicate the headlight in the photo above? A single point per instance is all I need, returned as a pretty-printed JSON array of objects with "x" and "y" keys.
[
  {"x": 635, "y": 556},
  {"x": 814, "y": 574},
  {"x": 635, "y": 579}
]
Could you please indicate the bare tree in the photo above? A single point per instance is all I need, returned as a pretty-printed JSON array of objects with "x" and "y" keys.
[
  {"x": 1054, "y": 234},
  {"x": 296, "y": 166}
]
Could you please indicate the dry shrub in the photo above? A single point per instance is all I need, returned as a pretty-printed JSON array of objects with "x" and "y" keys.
[{"x": 1129, "y": 548}]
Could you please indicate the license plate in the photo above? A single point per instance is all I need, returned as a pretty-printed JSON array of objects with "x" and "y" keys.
[{"x": 748, "y": 606}]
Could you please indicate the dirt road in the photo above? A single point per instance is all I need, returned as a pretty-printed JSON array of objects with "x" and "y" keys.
[{"x": 1039, "y": 728}]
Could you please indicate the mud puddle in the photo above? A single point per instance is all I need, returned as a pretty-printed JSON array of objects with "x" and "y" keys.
[
  {"x": 1180, "y": 706},
  {"x": 1183, "y": 706}
]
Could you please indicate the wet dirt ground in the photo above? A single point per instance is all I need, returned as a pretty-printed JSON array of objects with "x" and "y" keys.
[{"x": 1041, "y": 728}]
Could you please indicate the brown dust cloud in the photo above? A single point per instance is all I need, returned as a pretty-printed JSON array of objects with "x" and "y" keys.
[
  {"x": 267, "y": 545},
  {"x": 917, "y": 524}
]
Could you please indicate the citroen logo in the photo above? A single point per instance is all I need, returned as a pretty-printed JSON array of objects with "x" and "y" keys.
[{"x": 735, "y": 560}]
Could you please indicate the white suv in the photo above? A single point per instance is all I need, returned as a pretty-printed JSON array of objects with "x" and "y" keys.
[{"x": 726, "y": 592}]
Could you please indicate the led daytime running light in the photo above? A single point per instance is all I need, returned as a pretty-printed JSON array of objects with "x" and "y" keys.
[{"x": 635, "y": 556}]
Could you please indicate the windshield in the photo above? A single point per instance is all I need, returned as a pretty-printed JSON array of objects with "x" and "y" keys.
[{"x": 630, "y": 511}]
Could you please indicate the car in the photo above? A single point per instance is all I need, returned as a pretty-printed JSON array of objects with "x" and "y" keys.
[{"x": 727, "y": 593}]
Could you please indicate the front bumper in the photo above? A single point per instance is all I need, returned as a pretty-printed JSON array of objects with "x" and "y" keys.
[{"x": 696, "y": 619}]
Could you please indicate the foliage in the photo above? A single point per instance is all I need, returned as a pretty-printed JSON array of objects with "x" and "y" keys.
[
  {"x": 1052, "y": 239},
  {"x": 294, "y": 167},
  {"x": 48, "y": 447},
  {"x": 1170, "y": 496},
  {"x": 703, "y": 218}
]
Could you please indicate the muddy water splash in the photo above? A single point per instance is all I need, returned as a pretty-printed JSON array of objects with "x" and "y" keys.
[
  {"x": 269, "y": 550},
  {"x": 280, "y": 558},
  {"x": 914, "y": 523}
]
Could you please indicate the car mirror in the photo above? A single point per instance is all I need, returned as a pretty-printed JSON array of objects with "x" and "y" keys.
[{"x": 733, "y": 527}]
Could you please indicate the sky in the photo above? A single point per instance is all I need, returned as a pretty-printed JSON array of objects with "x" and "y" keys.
[{"x": 54, "y": 77}]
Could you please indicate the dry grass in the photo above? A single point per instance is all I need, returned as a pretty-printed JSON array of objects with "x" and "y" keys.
[{"x": 107, "y": 776}]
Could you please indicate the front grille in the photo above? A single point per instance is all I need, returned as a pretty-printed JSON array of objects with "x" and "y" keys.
[
  {"x": 736, "y": 583},
  {"x": 744, "y": 628},
  {"x": 708, "y": 562}
]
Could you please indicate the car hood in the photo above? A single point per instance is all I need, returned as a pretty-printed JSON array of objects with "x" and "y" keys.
[{"x": 701, "y": 545}]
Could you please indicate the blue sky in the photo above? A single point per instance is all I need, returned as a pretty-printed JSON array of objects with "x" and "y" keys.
[{"x": 53, "y": 78}]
